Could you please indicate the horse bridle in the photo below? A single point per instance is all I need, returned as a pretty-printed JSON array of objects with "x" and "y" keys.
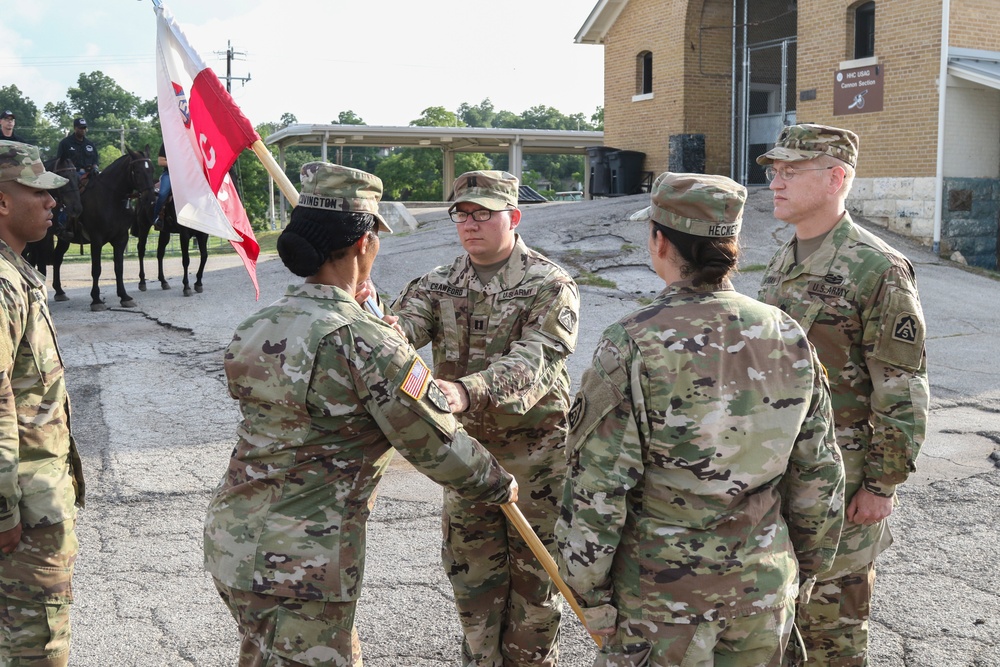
[{"x": 132, "y": 176}]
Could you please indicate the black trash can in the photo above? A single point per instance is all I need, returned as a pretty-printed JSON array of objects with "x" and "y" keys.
[
  {"x": 687, "y": 153},
  {"x": 600, "y": 170},
  {"x": 626, "y": 172}
]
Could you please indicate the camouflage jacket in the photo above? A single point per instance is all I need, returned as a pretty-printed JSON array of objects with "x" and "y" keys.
[
  {"x": 702, "y": 462},
  {"x": 506, "y": 342},
  {"x": 325, "y": 391},
  {"x": 856, "y": 298},
  {"x": 41, "y": 477}
]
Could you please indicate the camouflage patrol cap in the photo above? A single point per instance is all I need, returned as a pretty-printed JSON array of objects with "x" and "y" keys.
[
  {"x": 806, "y": 142},
  {"x": 696, "y": 204},
  {"x": 333, "y": 187},
  {"x": 22, "y": 163},
  {"x": 495, "y": 190}
]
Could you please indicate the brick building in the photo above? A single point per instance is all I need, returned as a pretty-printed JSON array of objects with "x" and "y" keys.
[{"x": 708, "y": 84}]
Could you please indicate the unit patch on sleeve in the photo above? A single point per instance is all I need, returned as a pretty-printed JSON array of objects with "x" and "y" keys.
[
  {"x": 437, "y": 397},
  {"x": 905, "y": 328},
  {"x": 416, "y": 380},
  {"x": 567, "y": 318}
]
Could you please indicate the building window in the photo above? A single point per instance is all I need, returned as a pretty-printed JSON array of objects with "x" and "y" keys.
[
  {"x": 864, "y": 30},
  {"x": 644, "y": 73}
]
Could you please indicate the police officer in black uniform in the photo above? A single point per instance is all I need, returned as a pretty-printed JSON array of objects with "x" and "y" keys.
[
  {"x": 7, "y": 128},
  {"x": 80, "y": 150}
]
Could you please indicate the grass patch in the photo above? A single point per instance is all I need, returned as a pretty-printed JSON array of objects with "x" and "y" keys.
[
  {"x": 751, "y": 268},
  {"x": 587, "y": 278},
  {"x": 216, "y": 246}
]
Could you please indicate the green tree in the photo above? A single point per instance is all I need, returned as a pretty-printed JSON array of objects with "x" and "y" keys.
[
  {"x": 97, "y": 96},
  {"x": 366, "y": 158},
  {"x": 287, "y": 119},
  {"x": 481, "y": 115},
  {"x": 348, "y": 118},
  {"x": 598, "y": 119},
  {"x": 414, "y": 174},
  {"x": 437, "y": 117}
]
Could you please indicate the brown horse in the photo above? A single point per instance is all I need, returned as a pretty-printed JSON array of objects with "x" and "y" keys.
[{"x": 107, "y": 215}]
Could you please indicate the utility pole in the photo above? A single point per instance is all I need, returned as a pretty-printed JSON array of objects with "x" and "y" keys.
[{"x": 231, "y": 55}]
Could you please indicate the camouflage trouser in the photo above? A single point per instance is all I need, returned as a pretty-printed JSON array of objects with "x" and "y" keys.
[
  {"x": 757, "y": 640},
  {"x": 834, "y": 624},
  {"x": 287, "y": 632},
  {"x": 35, "y": 595},
  {"x": 508, "y": 607}
]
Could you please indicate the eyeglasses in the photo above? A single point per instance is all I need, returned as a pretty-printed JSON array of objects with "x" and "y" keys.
[
  {"x": 788, "y": 173},
  {"x": 479, "y": 215}
]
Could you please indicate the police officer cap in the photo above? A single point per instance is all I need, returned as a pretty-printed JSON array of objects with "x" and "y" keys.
[
  {"x": 7, "y": 114},
  {"x": 696, "y": 204},
  {"x": 80, "y": 122}
]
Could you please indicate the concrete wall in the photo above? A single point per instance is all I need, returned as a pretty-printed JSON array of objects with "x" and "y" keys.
[
  {"x": 972, "y": 130},
  {"x": 903, "y": 205}
]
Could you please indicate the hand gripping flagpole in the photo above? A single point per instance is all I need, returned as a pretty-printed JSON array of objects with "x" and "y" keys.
[{"x": 515, "y": 516}]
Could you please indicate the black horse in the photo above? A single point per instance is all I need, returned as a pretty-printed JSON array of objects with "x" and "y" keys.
[
  {"x": 144, "y": 222},
  {"x": 64, "y": 216},
  {"x": 106, "y": 218}
]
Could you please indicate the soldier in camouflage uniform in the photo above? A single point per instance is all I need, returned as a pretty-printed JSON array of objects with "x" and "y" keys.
[
  {"x": 705, "y": 487},
  {"x": 41, "y": 479},
  {"x": 856, "y": 298},
  {"x": 326, "y": 390},
  {"x": 501, "y": 319}
]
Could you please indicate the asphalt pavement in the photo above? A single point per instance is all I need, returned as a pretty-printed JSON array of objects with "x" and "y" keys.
[{"x": 156, "y": 426}]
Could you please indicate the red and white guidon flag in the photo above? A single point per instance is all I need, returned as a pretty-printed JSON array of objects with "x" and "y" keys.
[{"x": 203, "y": 134}]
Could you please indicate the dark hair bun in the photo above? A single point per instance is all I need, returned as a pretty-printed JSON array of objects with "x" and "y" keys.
[{"x": 299, "y": 254}]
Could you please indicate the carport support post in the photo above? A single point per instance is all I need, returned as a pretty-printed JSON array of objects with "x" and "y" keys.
[
  {"x": 281, "y": 161},
  {"x": 447, "y": 173},
  {"x": 514, "y": 157}
]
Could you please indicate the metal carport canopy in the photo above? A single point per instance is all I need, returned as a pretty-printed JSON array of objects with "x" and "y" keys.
[
  {"x": 449, "y": 140},
  {"x": 982, "y": 67}
]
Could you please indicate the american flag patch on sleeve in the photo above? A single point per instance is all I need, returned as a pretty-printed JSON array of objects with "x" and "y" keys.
[{"x": 416, "y": 380}]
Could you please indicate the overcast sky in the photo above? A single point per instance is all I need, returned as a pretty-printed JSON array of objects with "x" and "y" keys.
[{"x": 386, "y": 60}]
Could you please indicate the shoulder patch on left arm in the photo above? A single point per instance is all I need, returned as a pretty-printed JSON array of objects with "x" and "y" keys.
[{"x": 901, "y": 339}]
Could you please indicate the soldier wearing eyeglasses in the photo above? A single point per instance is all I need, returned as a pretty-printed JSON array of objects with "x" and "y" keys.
[
  {"x": 856, "y": 297},
  {"x": 502, "y": 319}
]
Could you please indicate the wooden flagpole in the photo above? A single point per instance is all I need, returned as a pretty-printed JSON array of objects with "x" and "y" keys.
[
  {"x": 542, "y": 554},
  {"x": 285, "y": 185}
]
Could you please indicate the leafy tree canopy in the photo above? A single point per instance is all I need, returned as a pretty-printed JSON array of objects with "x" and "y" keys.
[
  {"x": 348, "y": 118},
  {"x": 97, "y": 96}
]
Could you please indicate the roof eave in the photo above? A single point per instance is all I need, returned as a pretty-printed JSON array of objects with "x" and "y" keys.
[{"x": 599, "y": 22}]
